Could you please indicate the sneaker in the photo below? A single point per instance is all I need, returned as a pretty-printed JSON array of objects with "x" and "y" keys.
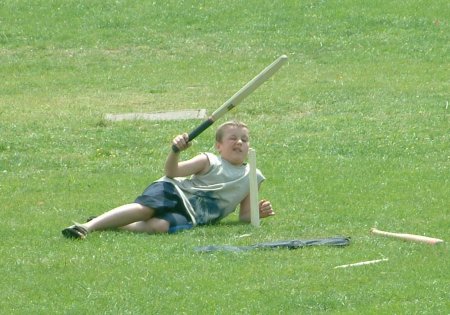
[{"x": 75, "y": 231}]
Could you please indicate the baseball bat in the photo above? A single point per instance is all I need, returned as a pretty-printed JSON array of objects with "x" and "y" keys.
[
  {"x": 238, "y": 97},
  {"x": 408, "y": 237}
]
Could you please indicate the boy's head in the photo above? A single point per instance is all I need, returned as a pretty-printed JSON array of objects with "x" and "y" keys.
[
  {"x": 232, "y": 141},
  {"x": 229, "y": 124}
]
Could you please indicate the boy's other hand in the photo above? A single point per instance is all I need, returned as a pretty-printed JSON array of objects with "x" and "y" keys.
[{"x": 265, "y": 209}]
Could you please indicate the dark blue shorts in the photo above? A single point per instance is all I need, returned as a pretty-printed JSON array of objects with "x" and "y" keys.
[{"x": 168, "y": 205}]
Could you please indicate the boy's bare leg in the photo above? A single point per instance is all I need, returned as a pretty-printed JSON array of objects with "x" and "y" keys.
[
  {"x": 119, "y": 217},
  {"x": 154, "y": 225}
]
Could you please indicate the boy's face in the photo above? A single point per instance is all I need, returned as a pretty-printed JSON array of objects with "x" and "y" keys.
[{"x": 234, "y": 145}]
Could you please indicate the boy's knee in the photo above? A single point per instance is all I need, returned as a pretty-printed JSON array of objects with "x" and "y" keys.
[{"x": 160, "y": 226}]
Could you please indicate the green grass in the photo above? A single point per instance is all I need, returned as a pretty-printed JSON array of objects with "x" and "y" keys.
[{"x": 352, "y": 133}]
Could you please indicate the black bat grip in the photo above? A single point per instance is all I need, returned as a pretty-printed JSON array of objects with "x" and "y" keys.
[{"x": 194, "y": 133}]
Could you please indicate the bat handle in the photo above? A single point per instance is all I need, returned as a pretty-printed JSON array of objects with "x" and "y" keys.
[
  {"x": 194, "y": 133},
  {"x": 175, "y": 148}
]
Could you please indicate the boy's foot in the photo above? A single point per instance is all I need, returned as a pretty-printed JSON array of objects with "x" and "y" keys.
[{"x": 75, "y": 231}]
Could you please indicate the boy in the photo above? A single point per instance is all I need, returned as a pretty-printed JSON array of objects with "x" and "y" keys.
[{"x": 202, "y": 190}]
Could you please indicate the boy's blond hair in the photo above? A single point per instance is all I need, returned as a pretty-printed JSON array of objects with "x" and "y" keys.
[{"x": 221, "y": 129}]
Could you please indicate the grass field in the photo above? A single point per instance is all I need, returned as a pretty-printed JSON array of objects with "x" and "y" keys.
[{"x": 354, "y": 132}]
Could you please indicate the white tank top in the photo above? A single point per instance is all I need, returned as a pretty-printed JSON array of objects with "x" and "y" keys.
[{"x": 210, "y": 197}]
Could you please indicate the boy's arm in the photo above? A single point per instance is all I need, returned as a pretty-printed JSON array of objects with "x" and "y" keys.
[
  {"x": 173, "y": 168},
  {"x": 265, "y": 209}
]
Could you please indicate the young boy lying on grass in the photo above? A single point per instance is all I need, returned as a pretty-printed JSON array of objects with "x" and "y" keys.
[{"x": 202, "y": 190}]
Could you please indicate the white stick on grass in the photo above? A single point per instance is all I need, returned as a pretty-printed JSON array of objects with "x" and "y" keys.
[
  {"x": 254, "y": 206},
  {"x": 362, "y": 263}
]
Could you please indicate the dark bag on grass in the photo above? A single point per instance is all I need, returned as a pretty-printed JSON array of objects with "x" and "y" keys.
[{"x": 292, "y": 244}]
